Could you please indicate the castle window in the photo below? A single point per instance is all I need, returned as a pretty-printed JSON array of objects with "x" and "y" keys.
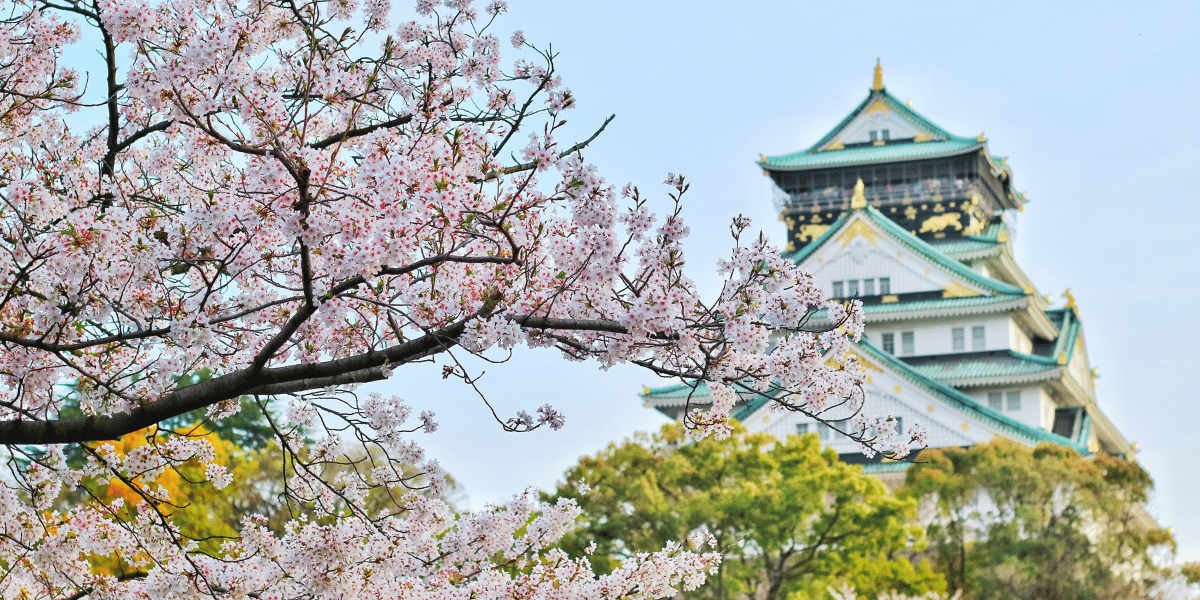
[
  {"x": 801, "y": 428},
  {"x": 885, "y": 285},
  {"x": 852, "y": 288},
  {"x": 886, "y": 135},
  {"x": 996, "y": 401},
  {"x": 868, "y": 287},
  {"x": 908, "y": 343},
  {"x": 1014, "y": 401},
  {"x": 889, "y": 343},
  {"x": 978, "y": 339},
  {"x": 874, "y": 135},
  {"x": 958, "y": 339},
  {"x": 837, "y": 290}
]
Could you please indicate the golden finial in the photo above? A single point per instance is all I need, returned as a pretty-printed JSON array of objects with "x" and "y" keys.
[
  {"x": 1070, "y": 298},
  {"x": 858, "y": 200},
  {"x": 981, "y": 138},
  {"x": 908, "y": 103},
  {"x": 878, "y": 83}
]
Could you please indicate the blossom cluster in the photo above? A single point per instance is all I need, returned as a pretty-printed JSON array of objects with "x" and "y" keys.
[{"x": 264, "y": 199}]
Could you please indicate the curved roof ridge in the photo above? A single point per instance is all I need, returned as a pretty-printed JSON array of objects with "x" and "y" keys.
[
  {"x": 968, "y": 404},
  {"x": 929, "y": 251}
]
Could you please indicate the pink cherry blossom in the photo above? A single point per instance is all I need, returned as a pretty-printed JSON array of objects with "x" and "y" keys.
[{"x": 273, "y": 195}]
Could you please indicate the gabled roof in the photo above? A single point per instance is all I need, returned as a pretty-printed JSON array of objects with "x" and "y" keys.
[
  {"x": 922, "y": 138},
  {"x": 912, "y": 242},
  {"x": 957, "y": 400},
  {"x": 967, "y": 404},
  {"x": 895, "y": 106}
]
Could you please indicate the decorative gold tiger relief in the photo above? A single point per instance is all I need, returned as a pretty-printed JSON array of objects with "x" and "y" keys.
[
  {"x": 811, "y": 232},
  {"x": 940, "y": 222}
]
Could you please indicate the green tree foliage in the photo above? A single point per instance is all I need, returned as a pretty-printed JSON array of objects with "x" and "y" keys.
[
  {"x": 790, "y": 519},
  {"x": 1014, "y": 522}
]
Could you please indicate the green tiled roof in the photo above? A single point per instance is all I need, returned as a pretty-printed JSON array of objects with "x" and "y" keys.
[
  {"x": 956, "y": 399},
  {"x": 1067, "y": 321},
  {"x": 681, "y": 391},
  {"x": 870, "y": 154},
  {"x": 967, "y": 404},
  {"x": 989, "y": 239},
  {"x": 896, "y": 106},
  {"x": 1007, "y": 364},
  {"x": 916, "y": 307},
  {"x": 940, "y": 304},
  {"x": 941, "y": 143}
]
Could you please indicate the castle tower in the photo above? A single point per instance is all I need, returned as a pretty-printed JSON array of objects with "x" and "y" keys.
[{"x": 891, "y": 209}]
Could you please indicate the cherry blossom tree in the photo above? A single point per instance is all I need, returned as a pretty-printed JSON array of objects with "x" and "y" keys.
[{"x": 298, "y": 197}]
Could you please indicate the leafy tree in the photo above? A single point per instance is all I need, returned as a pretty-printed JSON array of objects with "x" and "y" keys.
[
  {"x": 789, "y": 519},
  {"x": 1008, "y": 521},
  {"x": 295, "y": 197}
]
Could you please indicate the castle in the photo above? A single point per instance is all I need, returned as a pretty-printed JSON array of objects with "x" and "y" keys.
[{"x": 917, "y": 223}]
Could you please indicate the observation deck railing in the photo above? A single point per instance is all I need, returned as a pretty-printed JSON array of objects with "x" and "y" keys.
[{"x": 838, "y": 198}]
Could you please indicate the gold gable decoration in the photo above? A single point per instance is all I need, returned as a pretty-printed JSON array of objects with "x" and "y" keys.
[
  {"x": 857, "y": 228},
  {"x": 955, "y": 289},
  {"x": 878, "y": 106},
  {"x": 836, "y": 145},
  {"x": 858, "y": 357}
]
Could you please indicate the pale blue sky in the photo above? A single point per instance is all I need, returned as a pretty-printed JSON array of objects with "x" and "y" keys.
[{"x": 1094, "y": 104}]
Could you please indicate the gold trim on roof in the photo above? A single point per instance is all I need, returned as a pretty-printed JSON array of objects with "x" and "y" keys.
[
  {"x": 955, "y": 289},
  {"x": 878, "y": 83},
  {"x": 878, "y": 106},
  {"x": 1070, "y": 298},
  {"x": 857, "y": 228}
]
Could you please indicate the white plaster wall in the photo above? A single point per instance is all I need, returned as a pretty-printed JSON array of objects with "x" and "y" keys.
[
  {"x": 862, "y": 260},
  {"x": 1079, "y": 368},
  {"x": 1019, "y": 339},
  {"x": 1037, "y": 408},
  {"x": 858, "y": 130},
  {"x": 933, "y": 336}
]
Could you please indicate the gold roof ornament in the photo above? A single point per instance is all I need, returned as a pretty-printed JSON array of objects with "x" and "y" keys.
[
  {"x": 981, "y": 137},
  {"x": 858, "y": 200},
  {"x": 878, "y": 83},
  {"x": 1070, "y": 298}
]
